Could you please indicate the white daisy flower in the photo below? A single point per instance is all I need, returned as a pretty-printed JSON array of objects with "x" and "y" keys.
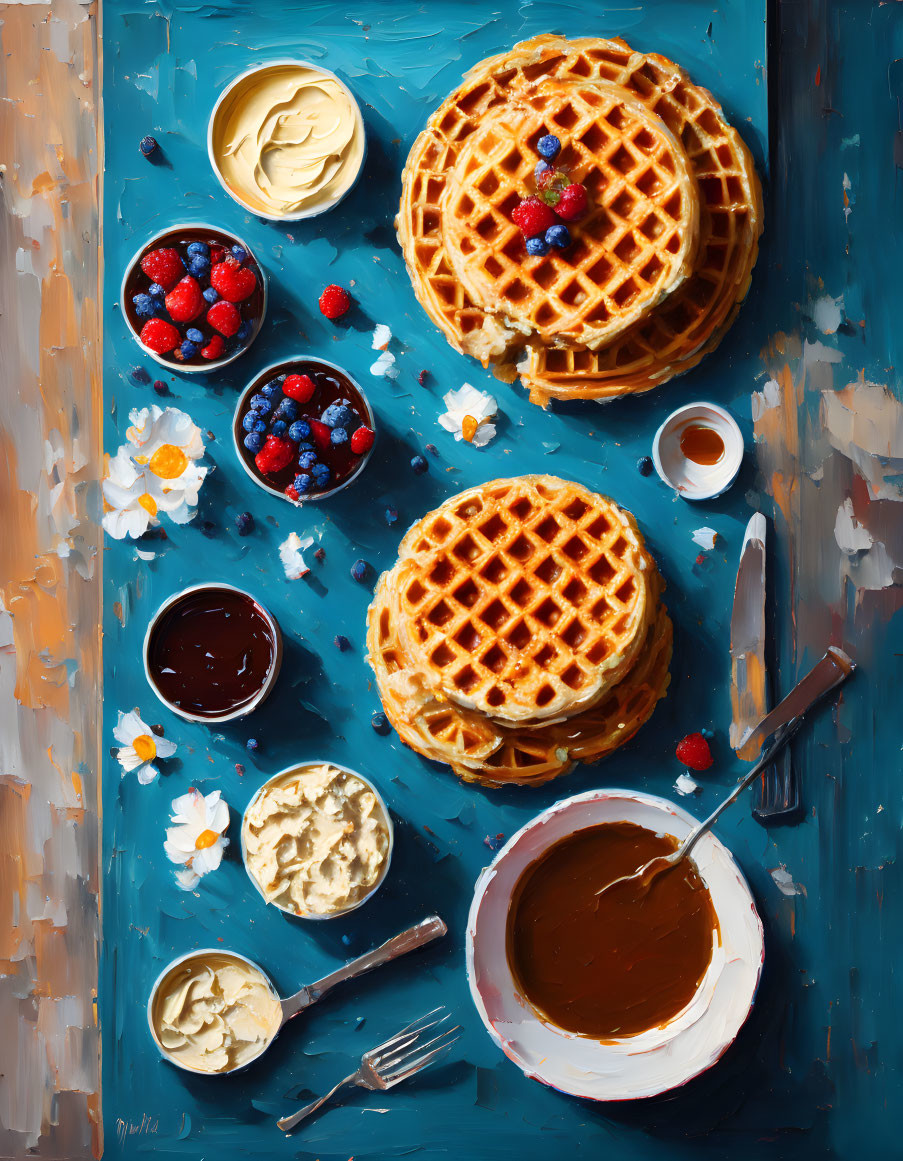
[
  {"x": 197, "y": 839},
  {"x": 140, "y": 747},
  {"x": 469, "y": 415},
  {"x": 156, "y": 471}
]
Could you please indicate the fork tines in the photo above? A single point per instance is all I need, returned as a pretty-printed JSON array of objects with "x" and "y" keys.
[{"x": 422, "y": 1042}]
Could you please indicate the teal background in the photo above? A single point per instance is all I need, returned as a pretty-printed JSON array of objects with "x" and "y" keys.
[{"x": 772, "y": 1095}]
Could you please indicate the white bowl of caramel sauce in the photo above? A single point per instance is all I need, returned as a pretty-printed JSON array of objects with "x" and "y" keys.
[
  {"x": 595, "y": 995},
  {"x": 698, "y": 451}
]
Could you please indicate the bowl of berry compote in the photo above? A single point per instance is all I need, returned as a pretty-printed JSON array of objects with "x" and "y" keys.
[
  {"x": 303, "y": 429},
  {"x": 194, "y": 297}
]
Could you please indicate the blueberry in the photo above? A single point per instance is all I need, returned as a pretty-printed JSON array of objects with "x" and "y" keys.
[
  {"x": 419, "y": 464},
  {"x": 147, "y": 145},
  {"x": 339, "y": 415},
  {"x": 280, "y": 427},
  {"x": 244, "y": 522},
  {"x": 211, "y": 295},
  {"x": 198, "y": 250},
  {"x": 537, "y": 246},
  {"x": 391, "y": 515},
  {"x": 339, "y": 436},
  {"x": 194, "y": 335},
  {"x": 359, "y": 570},
  {"x": 342, "y": 643},
  {"x": 249, "y": 420},
  {"x": 145, "y": 306},
  {"x": 254, "y": 441},
  {"x": 139, "y": 375},
  {"x": 303, "y": 483},
  {"x": 155, "y": 290},
  {"x": 199, "y": 267},
  {"x": 239, "y": 253},
  {"x": 271, "y": 389},
  {"x": 321, "y": 475},
  {"x": 306, "y": 460},
  {"x": 189, "y": 349},
  {"x": 299, "y": 430},
  {"x": 252, "y": 744},
  {"x": 287, "y": 409},
  {"x": 306, "y": 447},
  {"x": 548, "y": 146},
  {"x": 260, "y": 425},
  {"x": 644, "y": 466},
  {"x": 244, "y": 331},
  {"x": 380, "y": 722},
  {"x": 262, "y": 404},
  {"x": 559, "y": 236},
  {"x": 541, "y": 167}
]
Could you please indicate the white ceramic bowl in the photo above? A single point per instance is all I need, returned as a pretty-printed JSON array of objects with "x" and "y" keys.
[
  {"x": 638, "y": 1066},
  {"x": 238, "y": 432},
  {"x": 201, "y": 954},
  {"x": 690, "y": 480},
  {"x": 390, "y": 831},
  {"x": 300, "y": 215},
  {"x": 268, "y": 684},
  {"x": 214, "y": 364}
]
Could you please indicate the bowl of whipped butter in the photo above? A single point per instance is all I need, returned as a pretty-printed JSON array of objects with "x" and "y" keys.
[
  {"x": 316, "y": 840},
  {"x": 286, "y": 140}
]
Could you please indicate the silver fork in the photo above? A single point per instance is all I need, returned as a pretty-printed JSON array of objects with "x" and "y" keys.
[{"x": 407, "y": 1052}]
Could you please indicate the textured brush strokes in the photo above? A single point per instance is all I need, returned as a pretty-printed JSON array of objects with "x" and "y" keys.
[{"x": 50, "y": 601}]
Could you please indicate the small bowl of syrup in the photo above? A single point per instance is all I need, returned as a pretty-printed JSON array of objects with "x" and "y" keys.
[{"x": 698, "y": 451}]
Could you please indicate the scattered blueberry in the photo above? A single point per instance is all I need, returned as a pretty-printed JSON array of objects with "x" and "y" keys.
[
  {"x": 199, "y": 267},
  {"x": 548, "y": 146},
  {"x": 299, "y": 430},
  {"x": 559, "y": 236},
  {"x": 303, "y": 483},
  {"x": 194, "y": 335},
  {"x": 160, "y": 387},
  {"x": 155, "y": 290},
  {"x": 321, "y": 475},
  {"x": 306, "y": 460},
  {"x": 252, "y": 744},
  {"x": 253, "y": 442},
  {"x": 537, "y": 246},
  {"x": 391, "y": 515},
  {"x": 380, "y": 722},
  {"x": 359, "y": 570},
  {"x": 419, "y": 464},
  {"x": 280, "y": 427},
  {"x": 147, "y": 145},
  {"x": 244, "y": 331},
  {"x": 342, "y": 643},
  {"x": 244, "y": 522},
  {"x": 645, "y": 465},
  {"x": 432, "y": 449},
  {"x": 211, "y": 295},
  {"x": 287, "y": 409},
  {"x": 239, "y": 253},
  {"x": 198, "y": 250},
  {"x": 339, "y": 436},
  {"x": 145, "y": 307},
  {"x": 139, "y": 375},
  {"x": 189, "y": 349}
]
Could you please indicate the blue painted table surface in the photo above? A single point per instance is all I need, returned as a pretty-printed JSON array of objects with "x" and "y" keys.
[{"x": 163, "y": 67}]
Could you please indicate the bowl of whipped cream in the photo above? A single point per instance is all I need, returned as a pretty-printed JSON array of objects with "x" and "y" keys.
[{"x": 286, "y": 140}]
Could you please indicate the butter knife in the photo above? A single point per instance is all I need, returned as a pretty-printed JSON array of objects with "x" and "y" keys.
[{"x": 778, "y": 790}]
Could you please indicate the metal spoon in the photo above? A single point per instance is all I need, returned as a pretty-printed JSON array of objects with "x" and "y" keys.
[{"x": 780, "y": 724}]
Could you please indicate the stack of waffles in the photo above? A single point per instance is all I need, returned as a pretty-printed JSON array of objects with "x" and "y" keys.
[
  {"x": 520, "y": 631},
  {"x": 657, "y": 268}
]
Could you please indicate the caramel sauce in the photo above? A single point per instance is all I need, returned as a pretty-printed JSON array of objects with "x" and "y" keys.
[
  {"x": 703, "y": 445},
  {"x": 618, "y": 964}
]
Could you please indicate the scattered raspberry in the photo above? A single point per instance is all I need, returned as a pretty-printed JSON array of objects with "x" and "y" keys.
[
  {"x": 432, "y": 449},
  {"x": 321, "y": 433},
  {"x": 694, "y": 752},
  {"x": 299, "y": 387},
  {"x": 160, "y": 336},
  {"x": 163, "y": 266},
  {"x": 224, "y": 317},
  {"x": 573, "y": 203},
  {"x": 233, "y": 281},
  {"x": 275, "y": 454},
  {"x": 160, "y": 387},
  {"x": 421, "y": 378},
  {"x": 334, "y": 301},
  {"x": 244, "y": 522},
  {"x": 139, "y": 375},
  {"x": 185, "y": 301},
  {"x": 342, "y": 643},
  {"x": 362, "y": 440},
  {"x": 320, "y": 554},
  {"x": 214, "y": 348},
  {"x": 239, "y": 769},
  {"x": 532, "y": 217}
]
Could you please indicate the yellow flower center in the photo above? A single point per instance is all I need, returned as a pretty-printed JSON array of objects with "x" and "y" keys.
[
  {"x": 145, "y": 747},
  {"x": 168, "y": 462},
  {"x": 148, "y": 503},
  {"x": 469, "y": 428},
  {"x": 205, "y": 839}
]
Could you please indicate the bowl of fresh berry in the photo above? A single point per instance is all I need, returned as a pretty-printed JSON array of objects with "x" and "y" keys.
[
  {"x": 303, "y": 429},
  {"x": 194, "y": 297}
]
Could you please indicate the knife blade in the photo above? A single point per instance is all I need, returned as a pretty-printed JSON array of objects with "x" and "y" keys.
[{"x": 749, "y": 696}]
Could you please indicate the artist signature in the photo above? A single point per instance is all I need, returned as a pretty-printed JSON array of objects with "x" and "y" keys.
[{"x": 146, "y": 1125}]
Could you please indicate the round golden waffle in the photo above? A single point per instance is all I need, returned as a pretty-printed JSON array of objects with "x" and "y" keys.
[
  {"x": 523, "y": 599},
  {"x": 635, "y": 245},
  {"x": 688, "y": 323}
]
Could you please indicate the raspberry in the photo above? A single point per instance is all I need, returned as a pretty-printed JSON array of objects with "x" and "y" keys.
[
  {"x": 299, "y": 387},
  {"x": 334, "y": 301},
  {"x": 362, "y": 440},
  {"x": 233, "y": 281},
  {"x": 321, "y": 433},
  {"x": 291, "y": 492},
  {"x": 533, "y": 217},
  {"x": 224, "y": 317},
  {"x": 214, "y": 348},
  {"x": 573, "y": 203},
  {"x": 275, "y": 454},
  {"x": 159, "y": 335},
  {"x": 163, "y": 267},
  {"x": 694, "y": 752},
  {"x": 185, "y": 302},
  {"x": 217, "y": 253}
]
